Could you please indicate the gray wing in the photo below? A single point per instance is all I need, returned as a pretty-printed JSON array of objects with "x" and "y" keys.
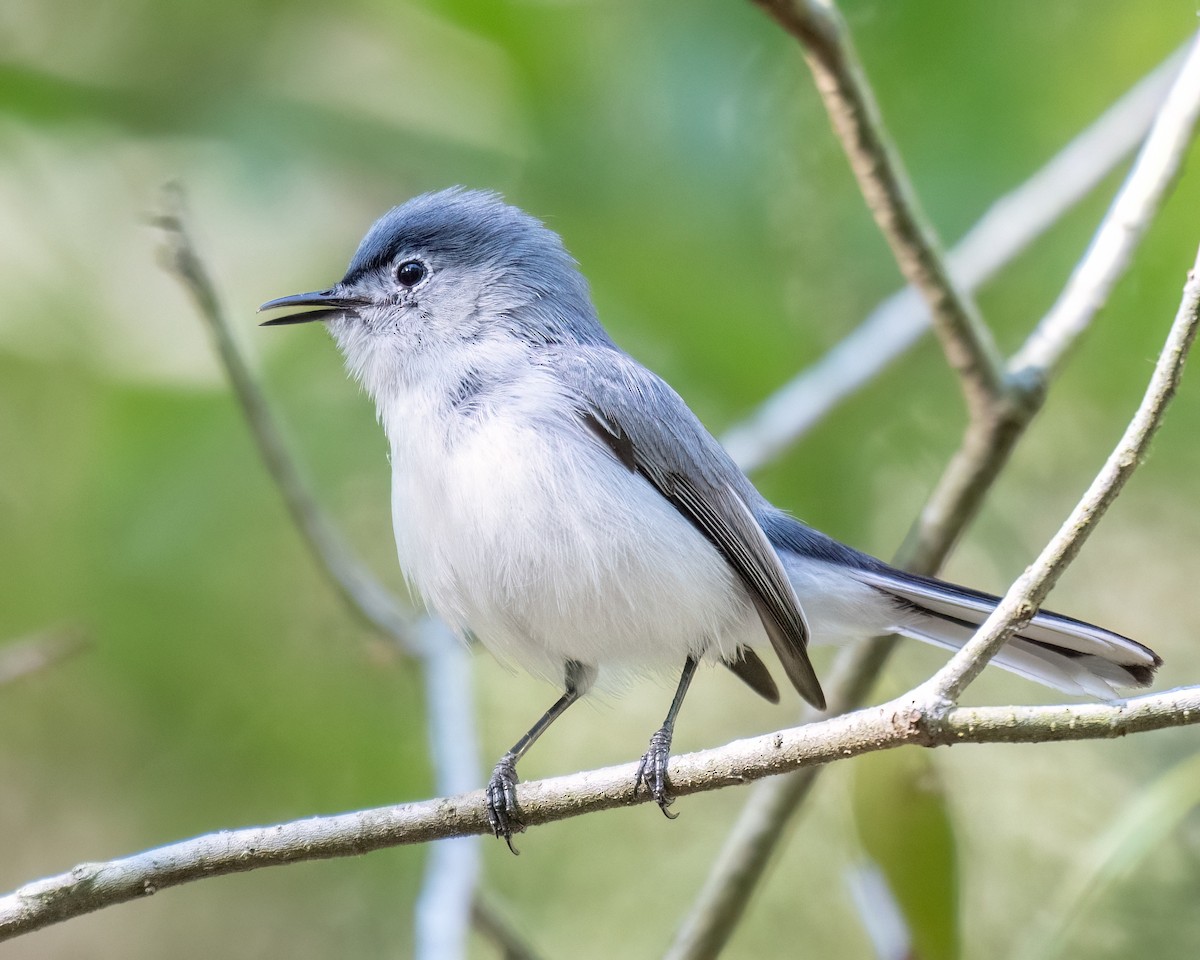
[{"x": 649, "y": 429}]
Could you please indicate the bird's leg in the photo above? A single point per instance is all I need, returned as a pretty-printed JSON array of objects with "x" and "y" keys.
[
  {"x": 502, "y": 787},
  {"x": 652, "y": 771}
]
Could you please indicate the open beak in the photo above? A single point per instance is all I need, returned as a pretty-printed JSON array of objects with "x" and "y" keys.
[{"x": 332, "y": 306}]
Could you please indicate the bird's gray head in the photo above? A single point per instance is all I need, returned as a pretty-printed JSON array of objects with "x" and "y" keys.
[{"x": 445, "y": 274}]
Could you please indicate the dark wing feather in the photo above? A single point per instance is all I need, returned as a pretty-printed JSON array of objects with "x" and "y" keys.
[
  {"x": 651, "y": 431},
  {"x": 748, "y": 668}
]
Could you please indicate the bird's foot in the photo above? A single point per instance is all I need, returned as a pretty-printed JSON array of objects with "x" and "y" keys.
[
  {"x": 502, "y": 801},
  {"x": 652, "y": 771}
]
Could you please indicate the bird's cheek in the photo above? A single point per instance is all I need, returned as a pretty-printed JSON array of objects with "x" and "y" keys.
[{"x": 372, "y": 322}]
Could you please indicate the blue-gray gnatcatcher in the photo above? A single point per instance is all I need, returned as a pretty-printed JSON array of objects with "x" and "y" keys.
[{"x": 561, "y": 502}]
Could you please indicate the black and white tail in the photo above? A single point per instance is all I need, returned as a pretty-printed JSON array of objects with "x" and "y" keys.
[{"x": 1061, "y": 652}]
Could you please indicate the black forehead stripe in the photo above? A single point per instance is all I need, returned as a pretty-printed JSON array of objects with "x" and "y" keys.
[
  {"x": 454, "y": 222},
  {"x": 381, "y": 251}
]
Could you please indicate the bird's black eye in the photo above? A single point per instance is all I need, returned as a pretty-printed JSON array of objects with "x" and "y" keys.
[{"x": 410, "y": 273}]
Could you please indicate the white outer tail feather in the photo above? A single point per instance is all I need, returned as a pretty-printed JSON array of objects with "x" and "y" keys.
[{"x": 1069, "y": 655}]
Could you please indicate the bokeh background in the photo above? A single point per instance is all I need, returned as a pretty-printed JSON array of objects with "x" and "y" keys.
[{"x": 682, "y": 153}]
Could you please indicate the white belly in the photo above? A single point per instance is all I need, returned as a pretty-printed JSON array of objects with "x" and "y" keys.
[{"x": 548, "y": 549}]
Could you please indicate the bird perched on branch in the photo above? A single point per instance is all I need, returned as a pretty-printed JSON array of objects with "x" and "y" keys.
[{"x": 559, "y": 501}]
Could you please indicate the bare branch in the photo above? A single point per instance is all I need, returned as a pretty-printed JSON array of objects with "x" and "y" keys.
[
  {"x": 989, "y": 442},
  {"x": 856, "y": 119},
  {"x": 91, "y": 886},
  {"x": 1027, "y": 594},
  {"x": 446, "y": 905},
  {"x": 363, "y": 592},
  {"x": 29, "y": 655},
  {"x": 444, "y": 908},
  {"x": 956, "y": 499},
  {"x": 493, "y": 925},
  {"x": 1123, "y": 226},
  {"x": 1005, "y": 230},
  {"x": 733, "y": 877}
]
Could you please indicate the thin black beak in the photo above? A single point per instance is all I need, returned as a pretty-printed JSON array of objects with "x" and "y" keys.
[{"x": 334, "y": 306}]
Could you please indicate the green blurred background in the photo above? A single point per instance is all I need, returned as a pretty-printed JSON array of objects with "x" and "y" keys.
[{"x": 682, "y": 153}]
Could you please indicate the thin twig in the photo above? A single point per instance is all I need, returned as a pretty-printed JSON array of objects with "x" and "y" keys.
[
  {"x": 364, "y": 593},
  {"x": 490, "y": 922},
  {"x": 718, "y": 907},
  {"x": 92, "y": 886},
  {"x": 1008, "y": 227},
  {"x": 33, "y": 654},
  {"x": 1157, "y": 165},
  {"x": 955, "y": 501},
  {"x": 854, "y": 113},
  {"x": 878, "y": 911},
  {"x": 444, "y": 908},
  {"x": 989, "y": 442},
  {"x": 1022, "y": 600}
]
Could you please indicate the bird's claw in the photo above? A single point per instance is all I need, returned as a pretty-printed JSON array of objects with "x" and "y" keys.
[
  {"x": 652, "y": 771},
  {"x": 502, "y": 801}
]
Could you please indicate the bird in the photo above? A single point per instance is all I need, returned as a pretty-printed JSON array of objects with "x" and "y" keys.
[{"x": 561, "y": 503}]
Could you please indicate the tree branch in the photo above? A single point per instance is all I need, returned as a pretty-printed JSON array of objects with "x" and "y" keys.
[
  {"x": 756, "y": 833},
  {"x": 885, "y": 186},
  {"x": 1006, "y": 229},
  {"x": 445, "y": 906},
  {"x": 91, "y": 886},
  {"x": 989, "y": 442},
  {"x": 985, "y": 449},
  {"x": 29, "y": 655},
  {"x": 494, "y": 925},
  {"x": 362, "y": 591},
  {"x": 1026, "y": 595},
  {"x": 1104, "y": 263}
]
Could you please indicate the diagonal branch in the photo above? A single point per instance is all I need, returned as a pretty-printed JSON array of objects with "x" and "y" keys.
[
  {"x": 92, "y": 886},
  {"x": 986, "y": 447},
  {"x": 33, "y": 654},
  {"x": 445, "y": 905},
  {"x": 1108, "y": 255},
  {"x": 742, "y": 861},
  {"x": 492, "y": 923},
  {"x": 1006, "y": 229},
  {"x": 988, "y": 443},
  {"x": 1026, "y": 595},
  {"x": 889, "y": 194},
  {"x": 365, "y": 594}
]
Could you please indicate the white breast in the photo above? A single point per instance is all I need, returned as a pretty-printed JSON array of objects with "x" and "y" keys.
[{"x": 524, "y": 529}]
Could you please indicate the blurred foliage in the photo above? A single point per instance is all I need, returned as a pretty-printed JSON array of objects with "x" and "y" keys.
[
  {"x": 680, "y": 150},
  {"x": 1155, "y": 814},
  {"x": 905, "y": 828}
]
